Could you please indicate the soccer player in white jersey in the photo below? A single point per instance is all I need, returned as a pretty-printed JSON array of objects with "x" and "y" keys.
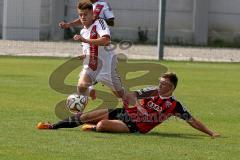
[
  {"x": 101, "y": 10},
  {"x": 99, "y": 64}
]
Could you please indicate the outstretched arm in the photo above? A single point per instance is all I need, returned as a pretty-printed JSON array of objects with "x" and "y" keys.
[
  {"x": 73, "y": 23},
  {"x": 102, "y": 41},
  {"x": 201, "y": 127}
]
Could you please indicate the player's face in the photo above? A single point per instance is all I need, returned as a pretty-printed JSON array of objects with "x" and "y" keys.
[
  {"x": 86, "y": 16},
  {"x": 165, "y": 87}
]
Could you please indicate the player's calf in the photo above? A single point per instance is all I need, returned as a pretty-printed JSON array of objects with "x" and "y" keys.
[
  {"x": 82, "y": 89},
  {"x": 70, "y": 122}
]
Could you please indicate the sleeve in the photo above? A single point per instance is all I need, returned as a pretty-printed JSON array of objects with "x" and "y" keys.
[
  {"x": 102, "y": 28},
  {"x": 146, "y": 92},
  {"x": 107, "y": 12},
  {"x": 81, "y": 32},
  {"x": 181, "y": 112}
]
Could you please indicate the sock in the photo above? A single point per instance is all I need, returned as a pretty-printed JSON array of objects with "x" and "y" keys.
[{"x": 70, "y": 122}]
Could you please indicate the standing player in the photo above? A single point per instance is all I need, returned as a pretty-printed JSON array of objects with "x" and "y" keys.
[
  {"x": 99, "y": 63},
  {"x": 101, "y": 10},
  {"x": 157, "y": 105}
]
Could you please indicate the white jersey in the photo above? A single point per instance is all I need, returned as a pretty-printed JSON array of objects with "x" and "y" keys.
[
  {"x": 100, "y": 63},
  {"x": 96, "y": 56},
  {"x": 102, "y": 10}
]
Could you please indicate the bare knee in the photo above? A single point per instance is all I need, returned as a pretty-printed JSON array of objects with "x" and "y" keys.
[
  {"x": 82, "y": 88},
  {"x": 102, "y": 126},
  {"x": 94, "y": 116},
  {"x": 84, "y": 117},
  {"x": 119, "y": 94}
]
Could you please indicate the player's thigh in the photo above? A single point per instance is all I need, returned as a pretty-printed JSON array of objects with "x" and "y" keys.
[
  {"x": 115, "y": 126},
  {"x": 84, "y": 80},
  {"x": 95, "y": 116},
  {"x": 119, "y": 93},
  {"x": 113, "y": 82}
]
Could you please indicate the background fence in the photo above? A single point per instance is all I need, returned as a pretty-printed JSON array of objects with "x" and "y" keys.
[{"x": 187, "y": 21}]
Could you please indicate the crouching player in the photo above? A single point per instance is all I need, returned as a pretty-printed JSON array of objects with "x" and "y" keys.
[{"x": 156, "y": 106}]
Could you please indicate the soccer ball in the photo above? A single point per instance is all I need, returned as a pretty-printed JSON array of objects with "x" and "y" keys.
[{"x": 76, "y": 103}]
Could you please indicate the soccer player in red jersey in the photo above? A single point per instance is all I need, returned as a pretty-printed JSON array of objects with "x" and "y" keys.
[{"x": 156, "y": 106}]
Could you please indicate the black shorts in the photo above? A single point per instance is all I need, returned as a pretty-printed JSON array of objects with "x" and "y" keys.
[{"x": 121, "y": 114}]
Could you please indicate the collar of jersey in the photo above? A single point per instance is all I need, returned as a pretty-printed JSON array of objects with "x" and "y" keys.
[
  {"x": 91, "y": 25},
  {"x": 165, "y": 97}
]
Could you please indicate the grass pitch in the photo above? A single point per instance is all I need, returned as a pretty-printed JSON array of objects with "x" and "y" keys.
[{"x": 210, "y": 91}]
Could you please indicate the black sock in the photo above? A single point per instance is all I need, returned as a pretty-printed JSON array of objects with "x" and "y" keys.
[
  {"x": 94, "y": 129},
  {"x": 70, "y": 122}
]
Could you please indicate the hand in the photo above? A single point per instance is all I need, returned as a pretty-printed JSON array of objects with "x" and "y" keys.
[
  {"x": 130, "y": 99},
  {"x": 63, "y": 25},
  {"x": 78, "y": 37},
  {"x": 215, "y": 135},
  {"x": 81, "y": 57}
]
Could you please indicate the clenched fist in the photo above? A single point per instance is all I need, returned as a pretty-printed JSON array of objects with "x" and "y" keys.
[{"x": 78, "y": 37}]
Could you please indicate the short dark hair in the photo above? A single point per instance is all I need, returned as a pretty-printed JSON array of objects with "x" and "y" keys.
[
  {"x": 172, "y": 77},
  {"x": 84, "y": 4}
]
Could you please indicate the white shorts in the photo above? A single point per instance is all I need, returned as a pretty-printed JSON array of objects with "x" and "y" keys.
[{"x": 107, "y": 75}]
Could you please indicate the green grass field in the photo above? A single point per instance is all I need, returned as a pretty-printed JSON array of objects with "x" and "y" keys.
[{"x": 211, "y": 91}]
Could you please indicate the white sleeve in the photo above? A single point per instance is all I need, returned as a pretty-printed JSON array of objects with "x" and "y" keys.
[
  {"x": 102, "y": 28},
  {"x": 107, "y": 12},
  {"x": 81, "y": 32}
]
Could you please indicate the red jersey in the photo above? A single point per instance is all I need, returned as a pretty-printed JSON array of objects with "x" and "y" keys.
[{"x": 154, "y": 110}]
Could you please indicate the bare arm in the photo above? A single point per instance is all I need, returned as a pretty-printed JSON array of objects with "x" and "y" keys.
[
  {"x": 102, "y": 41},
  {"x": 73, "y": 23},
  {"x": 131, "y": 98},
  {"x": 201, "y": 127}
]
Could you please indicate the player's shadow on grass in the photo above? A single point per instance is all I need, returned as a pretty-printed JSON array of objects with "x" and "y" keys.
[
  {"x": 176, "y": 135},
  {"x": 180, "y": 135},
  {"x": 163, "y": 135},
  {"x": 151, "y": 134}
]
